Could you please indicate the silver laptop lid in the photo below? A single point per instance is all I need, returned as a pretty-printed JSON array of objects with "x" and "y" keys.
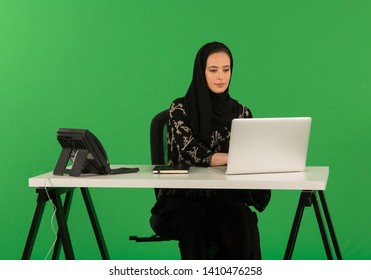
[{"x": 265, "y": 145}]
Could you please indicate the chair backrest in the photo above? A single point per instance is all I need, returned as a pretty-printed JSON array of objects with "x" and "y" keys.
[{"x": 158, "y": 138}]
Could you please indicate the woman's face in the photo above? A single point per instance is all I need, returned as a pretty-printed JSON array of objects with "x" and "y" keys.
[{"x": 218, "y": 72}]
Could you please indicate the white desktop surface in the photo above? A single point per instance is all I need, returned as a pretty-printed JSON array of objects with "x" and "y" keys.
[{"x": 312, "y": 178}]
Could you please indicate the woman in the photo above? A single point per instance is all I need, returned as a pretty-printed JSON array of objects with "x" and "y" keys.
[{"x": 198, "y": 135}]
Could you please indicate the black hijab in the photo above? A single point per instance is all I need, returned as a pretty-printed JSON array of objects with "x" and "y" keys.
[{"x": 208, "y": 110}]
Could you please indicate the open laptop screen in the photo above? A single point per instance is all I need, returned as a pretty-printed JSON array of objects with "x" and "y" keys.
[{"x": 265, "y": 145}]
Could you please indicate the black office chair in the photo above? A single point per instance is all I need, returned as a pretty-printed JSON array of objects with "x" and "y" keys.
[
  {"x": 158, "y": 139},
  {"x": 158, "y": 142}
]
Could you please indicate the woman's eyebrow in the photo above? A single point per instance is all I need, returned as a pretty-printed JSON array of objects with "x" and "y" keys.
[{"x": 213, "y": 66}]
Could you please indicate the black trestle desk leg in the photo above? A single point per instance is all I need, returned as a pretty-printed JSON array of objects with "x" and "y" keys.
[
  {"x": 95, "y": 223},
  {"x": 34, "y": 228},
  {"x": 321, "y": 227},
  {"x": 62, "y": 225},
  {"x": 304, "y": 200},
  {"x": 330, "y": 225},
  {"x": 67, "y": 206}
]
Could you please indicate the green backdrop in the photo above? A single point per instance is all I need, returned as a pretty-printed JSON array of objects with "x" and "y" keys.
[{"x": 109, "y": 66}]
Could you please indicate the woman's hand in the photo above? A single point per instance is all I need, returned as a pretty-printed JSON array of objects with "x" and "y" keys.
[{"x": 219, "y": 159}]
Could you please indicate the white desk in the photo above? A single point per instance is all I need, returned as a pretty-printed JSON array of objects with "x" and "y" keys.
[
  {"x": 313, "y": 178},
  {"x": 311, "y": 181}
]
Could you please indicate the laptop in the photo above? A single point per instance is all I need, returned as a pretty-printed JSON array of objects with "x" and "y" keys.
[{"x": 268, "y": 145}]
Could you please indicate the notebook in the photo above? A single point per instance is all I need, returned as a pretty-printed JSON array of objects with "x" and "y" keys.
[{"x": 268, "y": 145}]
